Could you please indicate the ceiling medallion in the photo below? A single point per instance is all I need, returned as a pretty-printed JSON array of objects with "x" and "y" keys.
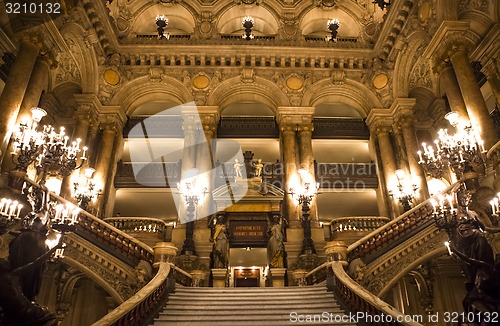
[
  {"x": 111, "y": 76},
  {"x": 380, "y": 81},
  {"x": 294, "y": 83}
]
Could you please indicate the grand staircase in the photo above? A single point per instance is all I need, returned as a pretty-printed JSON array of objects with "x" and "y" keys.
[{"x": 249, "y": 306}]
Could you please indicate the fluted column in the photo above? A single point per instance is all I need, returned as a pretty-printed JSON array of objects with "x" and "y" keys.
[
  {"x": 14, "y": 91},
  {"x": 452, "y": 89},
  {"x": 306, "y": 159},
  {"x": 473, "y": 98},
  {"x": 37, "y": 82}
]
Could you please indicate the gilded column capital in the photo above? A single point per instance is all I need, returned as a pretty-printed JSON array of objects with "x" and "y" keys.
[
  {"x": 380, "y": 121},
  {"x": 289, "y": 128},
  {"x": 305, "y": 128}
]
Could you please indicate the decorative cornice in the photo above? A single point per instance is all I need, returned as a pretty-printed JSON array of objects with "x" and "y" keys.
[{"x": 440, "y": 43}]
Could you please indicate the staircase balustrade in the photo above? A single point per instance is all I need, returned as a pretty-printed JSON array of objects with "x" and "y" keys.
[
  {"x": 141, "y": 308},
  {"x": 106, "y": 236},
  {"x": 392, "y": 233},
  {"x": 146, "y": 229}
]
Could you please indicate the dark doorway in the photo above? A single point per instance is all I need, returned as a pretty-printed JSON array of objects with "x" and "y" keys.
[{"x": 247, "y": 277}]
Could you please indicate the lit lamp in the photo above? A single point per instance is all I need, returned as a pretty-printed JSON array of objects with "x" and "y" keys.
[
  {"x": 404, "y": 192},
  {"x": 457, "y": 151},
  {"x": 47, "y": 149},
  {"x": 305, "y": 196},
  {"x": 333, "y": 25},
  {"x": 495, "y": 207},
  {"x": 84, "y": 192},
  {"x": 248, "y": 23},
  {"x": 191, "y": 195},
  {"x": 9, "y": 213},
  {"x": 162, "y": 23}
]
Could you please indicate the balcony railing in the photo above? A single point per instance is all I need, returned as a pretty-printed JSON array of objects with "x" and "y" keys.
[{"x": 146, "y": 229}]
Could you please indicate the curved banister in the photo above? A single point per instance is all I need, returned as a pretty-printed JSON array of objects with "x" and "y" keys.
[
  {"x": 356, "y": 299},
  {"x": 396, "y": 228},
  {"x": 92, "y": 226},
  {"x": 143, "y": 305}
]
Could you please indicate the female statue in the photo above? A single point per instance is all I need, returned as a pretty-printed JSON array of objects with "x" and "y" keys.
[
  {"x": 220, "y": 251},
  {"x": 275, "y": 247}
]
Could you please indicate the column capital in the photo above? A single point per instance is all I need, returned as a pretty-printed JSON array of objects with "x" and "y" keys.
[
  {"x": 209, "y": 117},
  {"x": 294, "y": 114},
  {"x": 449, "y": 32},
  {"x": 305, "y": 128},
  {"x": 380, "y": 121},
  {"x": 402, "y": 110}
]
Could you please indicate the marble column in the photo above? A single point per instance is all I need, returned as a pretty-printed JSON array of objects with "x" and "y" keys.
[
  {"x": 405, "y": 120},
  {"x": 14, "y": 91},
  {"x": 104, "y": 159},
  {"x": 83, "y": 115},
  {"x": 452, "y": 89},
  {"x": 492, "y": 74},
  {"x": 473, "y": 98},
  {"x": 306, "y": 159},
  {"x": 290, "y": 178},
  {"x": 37, "y": 83}
]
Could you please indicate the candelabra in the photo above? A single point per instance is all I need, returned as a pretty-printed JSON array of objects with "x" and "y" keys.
[
  {"x": 333, "y": 26},
  {"x": 404, "y": 192},
  {"x": 305, "y": 197},
  {"x": 191, "y": 196},
  {"x": 382, "y": 3},
  {"x": 458, "y": 151},
  {"x": 47, "y": 149},
  {"x": 84, "y": 191},
  {"x": 162, "y": 23},
  {"x": 248, "y": 23}
]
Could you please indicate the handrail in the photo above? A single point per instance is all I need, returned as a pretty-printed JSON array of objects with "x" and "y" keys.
[
  {"x": 399, "y": 226},
  {"x": 89, "y": 225},
  {"x": 356, "y": 299},
  {"x": 142, "y": 305},
  {"x": 156, "y": 225},
  {"x": 184, "y": 278}
]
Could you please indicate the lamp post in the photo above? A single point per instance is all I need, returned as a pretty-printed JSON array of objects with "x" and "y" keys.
[
  {"x": 332, "y": 25},
  {"x": 162, "y": 23},
  {"x": 191, "y": 196},
  {"x": 404, "y": 192},
  {"x": 85, "y": 191},
  {"x": 305, "y": 196},
  {"x": 248, "y": 23}
]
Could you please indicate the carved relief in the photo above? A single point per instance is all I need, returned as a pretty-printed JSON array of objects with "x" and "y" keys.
[
  {"x": 67, "y": 69},
  {"x": 420, "y": 76},
  {"x": 206, "y": 25},
  {"x": 289, "y": 28},
  {"x": 479, "y": 5}
]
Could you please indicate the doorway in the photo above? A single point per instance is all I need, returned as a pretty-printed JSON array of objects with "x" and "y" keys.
[{"x": 248, "y": 267}]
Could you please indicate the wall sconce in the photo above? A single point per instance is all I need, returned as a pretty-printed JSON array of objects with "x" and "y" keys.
[
  {"x": 162, "y": 23},
  {"x": 333, "y": 25},
  {"x": 248, "y": 23}
]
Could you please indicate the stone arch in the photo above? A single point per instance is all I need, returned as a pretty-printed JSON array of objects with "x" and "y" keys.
[
  {"x": 142, "y": 90},
  {"x": 406, "y": 63},
  {"x": 430, "y": 255},
  {"x": 83, "y": 56},
  {"x": 266, "y": 19},
  {"x": 314, "y": 21},
  {"x": 64, "y": 94},
  {"x": 96, "y": 278},
  {"x": 351, "y": 93},
  {"x": 181, "y": 17},
  {"x": 480, "y": 18},
  {"x": 425, "y": 98},
  {"x": 261, "y": 90}
]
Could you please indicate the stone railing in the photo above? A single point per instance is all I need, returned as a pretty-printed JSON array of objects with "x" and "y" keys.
[
  {"x": 356, "y": 299},
  {"x": 147, "y": 229},
  {"x": 357, "y": 223},
  {"x": 96, "y": 231},
  {"x": 396, "y": 231},
  {"x": 351, "y": 294},
  {"x": 143, "y": 306}
]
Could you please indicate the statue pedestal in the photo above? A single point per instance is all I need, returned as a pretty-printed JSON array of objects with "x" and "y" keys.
[
  {"x": 198, "y": 276},
  {"x": 278, "y": 277},
  {"x": 219, "y": 277}
]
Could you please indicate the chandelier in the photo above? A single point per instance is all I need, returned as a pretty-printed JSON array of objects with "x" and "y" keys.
[
  {"x": 85, "y": 190},
  {"x": 47, "y": 149},
  {"x": 457, "y": 151},
  {"x": 162, "y": 23},
  {"x": 248, "y": 23},
  {"x": 192, "y": 196},
  {"x": 404, "y": 192},
  {"x": 495, "y": 206},
  {"x": 332, "y": 25}
]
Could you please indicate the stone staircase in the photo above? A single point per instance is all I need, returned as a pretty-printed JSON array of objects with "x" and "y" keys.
[{"x": 250, "y": 306}]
